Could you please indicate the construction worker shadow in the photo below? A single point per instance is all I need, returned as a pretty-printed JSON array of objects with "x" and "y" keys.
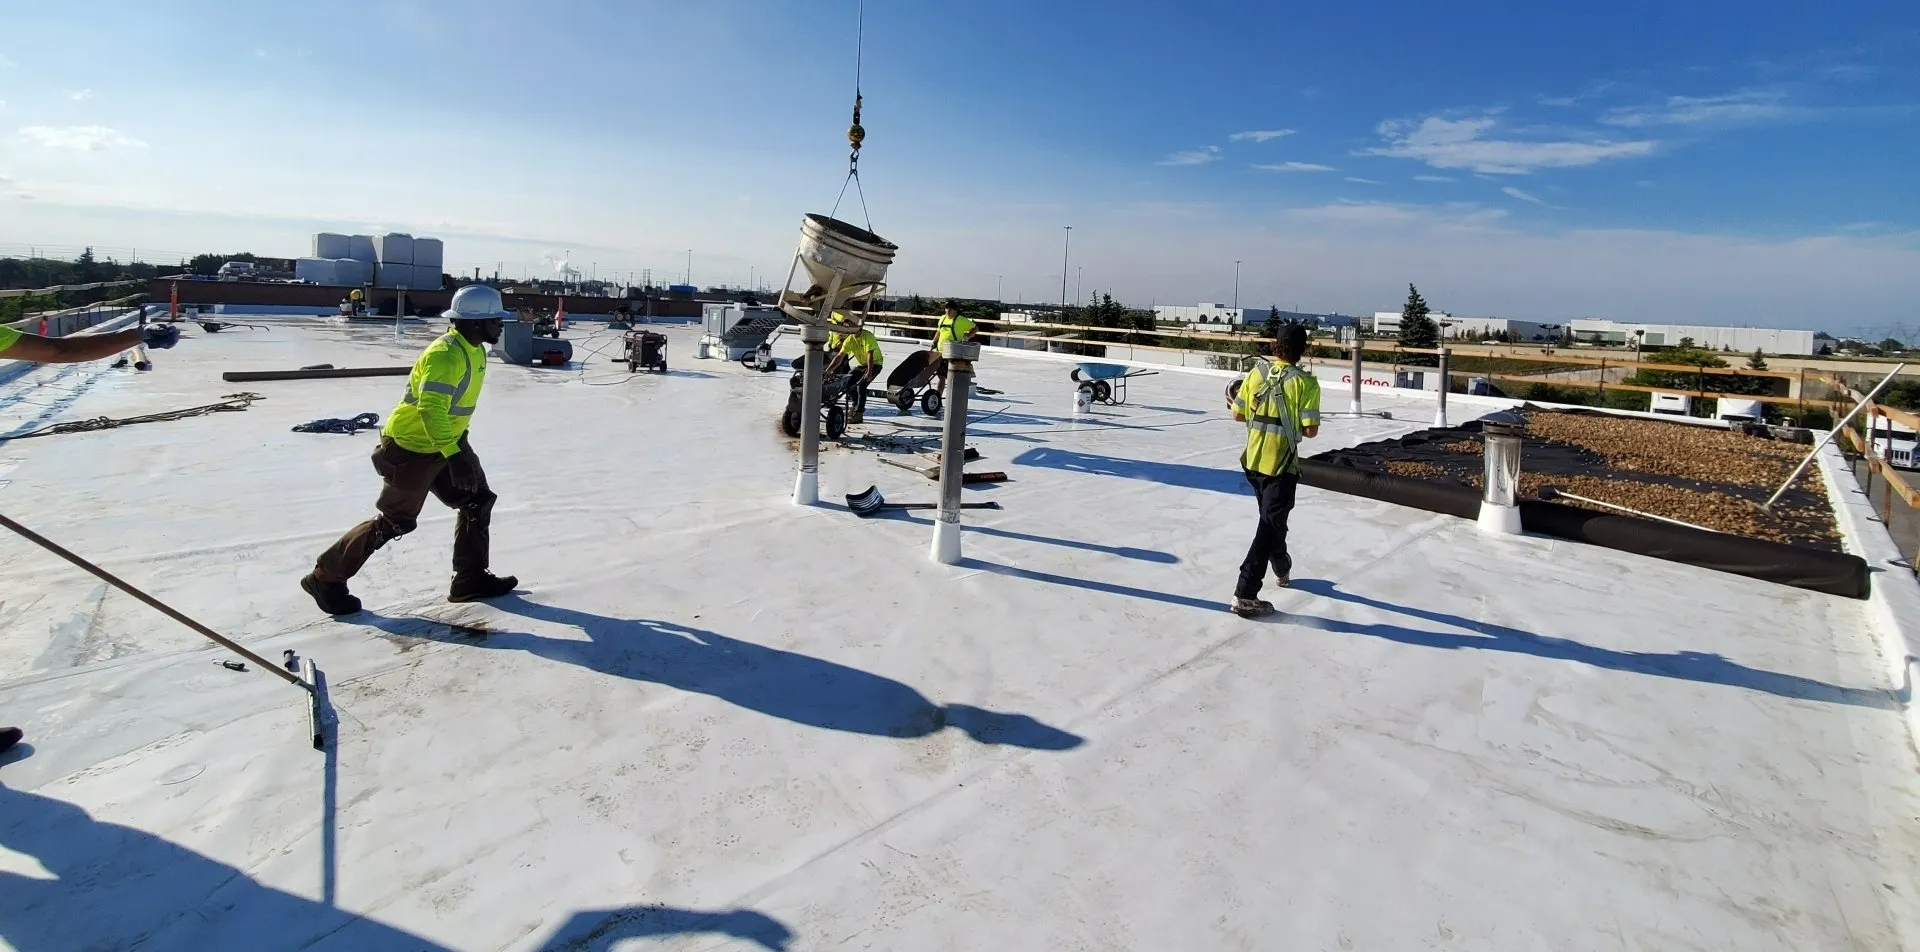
[
  {"x": 772, "y": 681},
  {"x": 1697, "y": 666},
  {"x": 116, "y": 887},
  {"x": 1105, "y": 588},
  {"x": 1230, "y": 481},
  {"x": 1123, "y": 551}
]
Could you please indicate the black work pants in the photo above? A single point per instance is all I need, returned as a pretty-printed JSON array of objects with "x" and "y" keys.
[
  {"x": 1275, "y": 495},
  {"x": 409, "y": 478}
]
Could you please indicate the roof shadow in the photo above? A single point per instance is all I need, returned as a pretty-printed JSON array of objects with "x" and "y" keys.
[
  {"x": 1229, "y": 481},
  {"x": 772, "y": 681},
  {"x": 1697, "y": 666},
  {"x": 114, "y": 885}
]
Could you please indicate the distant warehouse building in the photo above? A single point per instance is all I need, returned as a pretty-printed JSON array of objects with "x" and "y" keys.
[
  {"x": 1204, "y": 313},
  {"x": 1743, "y": 340}
]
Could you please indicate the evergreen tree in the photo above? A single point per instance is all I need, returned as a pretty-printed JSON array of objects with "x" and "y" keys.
[
  {"x": 1417, "y": 330},
  {"x": 1272, "y": 329},
  {"x": 86, "y": 267},
  {"x": 1758, "y": 361}
]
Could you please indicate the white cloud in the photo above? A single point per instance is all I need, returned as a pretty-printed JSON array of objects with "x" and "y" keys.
[
  {"x": 1371, "y": 214},
  {"x": 1558, "y": 100},
  {"x": 1523, "y": 196},
  {"x": 259, "y": 53},
  {"x": 1361, "y": 181},
  {"x": 80, "y": 95},
  {"x": 1747, "y": 105},
  {"x": 1296, "y": 167},
  {"x": 1434, "y": 178},
  {"x": 1259, "y": 135},
  {"x": 1200, "y": 156},
  {"x": 1459, "y": 144},
  {"x": 81, "y": 138}
]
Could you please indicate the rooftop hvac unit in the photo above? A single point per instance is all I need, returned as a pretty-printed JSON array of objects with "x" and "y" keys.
[
  {"x": 314, "y": 270},
  {"x": 1673, "y": 404},
  {"x": 429, "y": 252},
  {"x": 329, "y": 245},
  {"x": 394, "y": 248}
]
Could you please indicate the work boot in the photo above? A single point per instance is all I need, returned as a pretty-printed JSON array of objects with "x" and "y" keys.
[
  {"x": 1251, "y": 607},
  {"x": 332, "y": 597},
  {"x": 10, "y": 736},
  {"x": 479, "y": 588},
  {"x": 1284, "y": 581}
]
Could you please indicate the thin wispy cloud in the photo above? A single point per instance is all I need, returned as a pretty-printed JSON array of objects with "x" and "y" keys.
[
  {"x": 1295, "y": 167},
  {"x": 1374, "y": 214},
  {"x": 1744, "y": 106},
  {"x": 1259, "y": 135},
  {"x": 1523, "y": 196},
  {"x": 79, "y": 138},
  {"x": 1466, "y": 144},
  {"x": 1361, "y": 181},
  {"x": 1200, "y": 156},
  {"x": 80, "y": 95},
  {"x": 1558, "y": 100},
  {"x": 1434, "y": 178}
]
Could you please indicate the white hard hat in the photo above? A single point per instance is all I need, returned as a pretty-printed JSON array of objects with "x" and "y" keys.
[{"x": 476, "y": 302}]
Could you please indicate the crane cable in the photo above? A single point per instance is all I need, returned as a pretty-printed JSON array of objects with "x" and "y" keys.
[{"x": 856, "y": 134}]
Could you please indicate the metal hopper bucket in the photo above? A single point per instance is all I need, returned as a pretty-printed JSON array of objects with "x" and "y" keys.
[{"x": 831, "y": 249}]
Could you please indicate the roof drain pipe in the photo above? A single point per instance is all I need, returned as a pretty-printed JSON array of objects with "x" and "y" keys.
[
  {"x": 1440, "y": 414},
  {"x": 1358, "y": 371},
  {"x": 953, "y": 444},
  {"x": 1500, "y": 503}
]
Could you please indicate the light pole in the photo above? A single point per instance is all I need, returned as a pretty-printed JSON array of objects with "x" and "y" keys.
[
  {"x": 1065, "y": 249},
  {"x": 689, "y": 265},
  {"x": 1236, "y": 290},
  {"x": 1076, "y": 283},
  {"x": 998, "y": 279}
]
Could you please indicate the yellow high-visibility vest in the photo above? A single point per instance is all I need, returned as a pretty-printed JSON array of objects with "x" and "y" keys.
[
  {"x": 862, "y": 348},
  {"x": 441, "y": 394},
  {"x": 7, "y": 336},
  {"x": 1278, "y": 400},
  {"x": 952, "y": 328}
]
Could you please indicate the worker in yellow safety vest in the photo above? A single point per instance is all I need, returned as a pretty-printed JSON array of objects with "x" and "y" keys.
[
  {"x": 952, "y": 327},
  {"x": 358, "y": 301},
  {"x": 861, "y": 350},
  {"x": 1280, "y": 404},
  {"x": 424, "y": 451},
  {"x": 18, "y": 345}
]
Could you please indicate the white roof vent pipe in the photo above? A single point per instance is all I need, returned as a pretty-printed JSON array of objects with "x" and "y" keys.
[{"x": 1500, "y": 504}]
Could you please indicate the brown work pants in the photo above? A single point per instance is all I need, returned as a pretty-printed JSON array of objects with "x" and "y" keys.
[{"x": 410, "y": 477}]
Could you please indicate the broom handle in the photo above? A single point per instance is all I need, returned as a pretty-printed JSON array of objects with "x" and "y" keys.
[{"x": 109, "y": 578}]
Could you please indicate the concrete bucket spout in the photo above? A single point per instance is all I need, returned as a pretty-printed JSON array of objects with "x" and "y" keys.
[{"x": 842, "y": 261}]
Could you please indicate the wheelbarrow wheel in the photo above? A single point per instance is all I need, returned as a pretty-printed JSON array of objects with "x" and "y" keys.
[
  {"x": 930, "y": 403},
  {"x": 790, "y": 420},
  {"x": 633, "y": 366},
  {"x": 836, "y": 423},
  {"x": 902, "y": 400},
  {"x": 1102, "y": 391}
]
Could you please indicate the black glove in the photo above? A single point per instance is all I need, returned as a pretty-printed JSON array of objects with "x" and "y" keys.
[{"x": 464, "y": 476}]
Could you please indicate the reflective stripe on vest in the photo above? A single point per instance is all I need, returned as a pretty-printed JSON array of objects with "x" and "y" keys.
[
  {"x": 454, "y": 390},
  {"x": 1286, "y": 424}
]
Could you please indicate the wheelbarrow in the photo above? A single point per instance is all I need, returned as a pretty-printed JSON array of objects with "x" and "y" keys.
[
  {"x": 870, "y": 503},
  {"x": 1107, "y": 382},
  {"x": 912, "y": 380}
]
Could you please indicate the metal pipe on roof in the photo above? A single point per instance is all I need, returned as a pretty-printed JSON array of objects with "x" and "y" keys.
[{"x": 1837, "y": 427}]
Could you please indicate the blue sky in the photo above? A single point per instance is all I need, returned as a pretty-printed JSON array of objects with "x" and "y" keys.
[{"x": 1712, "y": 161}]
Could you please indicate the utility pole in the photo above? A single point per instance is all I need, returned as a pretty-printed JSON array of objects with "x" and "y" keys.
[
  {"x": 998, "y": 279},
  {"x": 1236, "y": 290},
  {"x": 689, "y": 265},
  {"x": 1076, "y": 283},
  {"x": 1064, "y": 251}
]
